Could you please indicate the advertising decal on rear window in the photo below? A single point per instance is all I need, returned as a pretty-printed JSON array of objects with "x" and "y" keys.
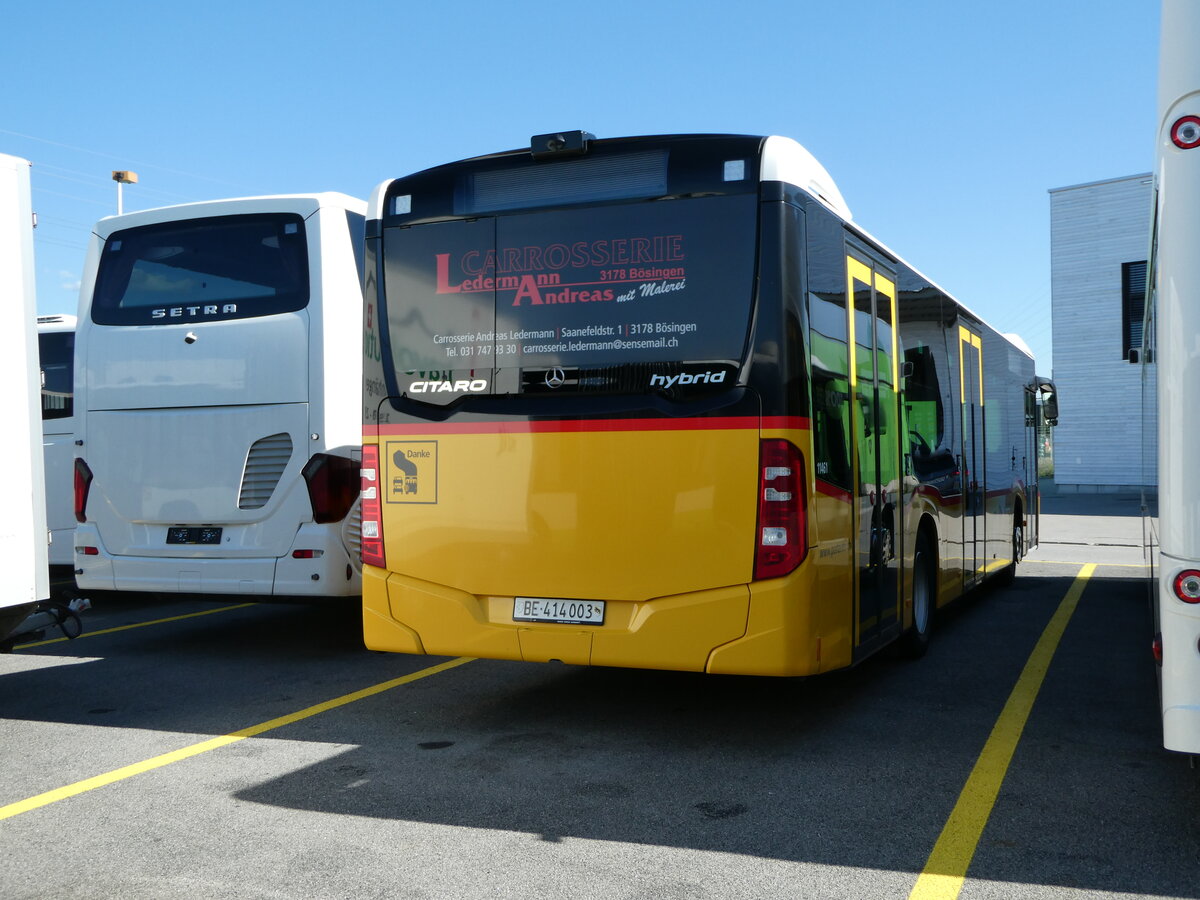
[{"x": 603, "y": 286}]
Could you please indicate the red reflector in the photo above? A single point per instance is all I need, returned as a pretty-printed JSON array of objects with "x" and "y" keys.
[
  {"x": 305, "y": 554},
  {"x": 1156, "y": 648},
  {"x": 1185, "y": 133},
  {"x": 781, "y": 537},
  {"x": 372, "y": 509},
  {"x": 89, "y": 551},
  {"x": 1187, "y": 585}
]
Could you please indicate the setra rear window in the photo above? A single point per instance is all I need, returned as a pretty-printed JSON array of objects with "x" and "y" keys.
[
  {"x": 203, "y": 270},
  {"x": 662, "y": 282}
]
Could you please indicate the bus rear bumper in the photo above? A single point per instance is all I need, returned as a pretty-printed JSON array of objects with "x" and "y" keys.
[
  {"x": 1179, "y": 625},
  {"x": 704, "y": 631},
  {"x": 325, "y": 570},
  {"x": 412, "y": 616},
  {"x": 1181, "y": 729}
]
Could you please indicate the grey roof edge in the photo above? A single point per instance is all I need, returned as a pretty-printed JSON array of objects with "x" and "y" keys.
[{"x": 1086, "y": 184}]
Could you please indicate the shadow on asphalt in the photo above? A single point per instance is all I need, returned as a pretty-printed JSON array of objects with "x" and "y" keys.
[{"x": 858, "y": 768}]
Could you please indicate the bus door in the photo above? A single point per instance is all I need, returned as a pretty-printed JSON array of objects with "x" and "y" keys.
[
  {"x": 1029, "y": 468},
  {"x": 971, "y": 466},
  {"x": 873, "y": 379}
]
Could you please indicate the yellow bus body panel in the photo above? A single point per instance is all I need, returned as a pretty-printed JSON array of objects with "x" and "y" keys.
[
  {"x": 602, "y": 515},
  {"x": 658, "y": 524},
  {"x": 803, "y": 623},
  {"x": 791, "y": 630}
]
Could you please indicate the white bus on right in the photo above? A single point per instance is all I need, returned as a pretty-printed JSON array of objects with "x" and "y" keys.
[{"x": 1175, "y": 281}]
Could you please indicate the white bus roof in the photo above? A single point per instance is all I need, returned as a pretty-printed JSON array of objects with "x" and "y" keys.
[
  {"x": 784, "y": 159},
  {"x": 304, "y": 204}
]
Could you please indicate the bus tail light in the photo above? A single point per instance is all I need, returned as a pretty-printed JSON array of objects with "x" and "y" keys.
[
  {"x": 1187, "y": 586},
  {"x": 332, "y": 486},
  {"x": 83, "y": 485},
  {"x": 372, "y": 509},
  {"x": 782, "y": 541}
]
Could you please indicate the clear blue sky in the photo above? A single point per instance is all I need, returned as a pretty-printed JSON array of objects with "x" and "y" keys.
[{"x": 943, "y": 122}]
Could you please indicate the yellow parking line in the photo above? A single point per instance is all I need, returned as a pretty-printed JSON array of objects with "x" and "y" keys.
[
  {"x": 1107, "y": 565},
  {"x": 946, "y": 869},
  {"x": 157, "y": 762},
  {"x": 204, "y": 612}
]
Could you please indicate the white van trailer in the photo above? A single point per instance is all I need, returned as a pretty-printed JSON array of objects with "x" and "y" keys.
[
  {"x": 23, "y": 538},
  {"x": 217, "y": 380}
]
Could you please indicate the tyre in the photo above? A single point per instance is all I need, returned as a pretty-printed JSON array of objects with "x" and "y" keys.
[
  {"x": 1009, "y": 573},
  {"x": 924, "y": 599}
]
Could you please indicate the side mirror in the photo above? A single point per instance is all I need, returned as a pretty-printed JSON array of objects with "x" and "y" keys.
[{"x": 1049, "y": 400}]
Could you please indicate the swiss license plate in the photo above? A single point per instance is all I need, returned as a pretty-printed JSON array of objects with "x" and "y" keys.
[
  {"x": 563, "y": 612},
  {"x": 193, "y": 534}
]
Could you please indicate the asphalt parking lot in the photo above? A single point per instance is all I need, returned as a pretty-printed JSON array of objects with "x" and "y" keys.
[{"x": 185, "y": 749}]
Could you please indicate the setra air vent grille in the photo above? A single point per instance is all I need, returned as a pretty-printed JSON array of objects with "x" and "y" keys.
[{"x": 265, "y": 462}]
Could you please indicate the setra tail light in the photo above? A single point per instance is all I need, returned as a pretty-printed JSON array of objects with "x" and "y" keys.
[
  {"x": 83, "y": 485},
  {"x": 782, "y": 541},
  {"x": 372, "y": 509},
  {"x": 333, "y": 483}
]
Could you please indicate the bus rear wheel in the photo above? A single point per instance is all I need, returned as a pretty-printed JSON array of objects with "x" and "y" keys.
[
  {"x": 1009, "y": 573},
  {"x": 916, "y": 639}
]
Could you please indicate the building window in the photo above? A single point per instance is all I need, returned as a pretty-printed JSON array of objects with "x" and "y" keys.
[{"x": 1133, "y": 308}]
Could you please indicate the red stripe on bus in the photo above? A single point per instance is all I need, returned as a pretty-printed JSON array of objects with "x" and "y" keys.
[
  {"x": 785, "y": 423},
  {"x": 832, "y": 490},
  {"x": 574, "y": 426}
]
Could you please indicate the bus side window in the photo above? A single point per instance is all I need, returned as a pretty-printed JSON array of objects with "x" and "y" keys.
[
  {"x": 830, "y": 387},
  {"x": 831, "y": 428},
  {"x": 926, "y": 416},
  {"x": 923, "y": 398}
]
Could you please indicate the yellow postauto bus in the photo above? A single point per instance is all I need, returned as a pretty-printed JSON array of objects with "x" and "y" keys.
[{"x": 658, "y": 402}]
